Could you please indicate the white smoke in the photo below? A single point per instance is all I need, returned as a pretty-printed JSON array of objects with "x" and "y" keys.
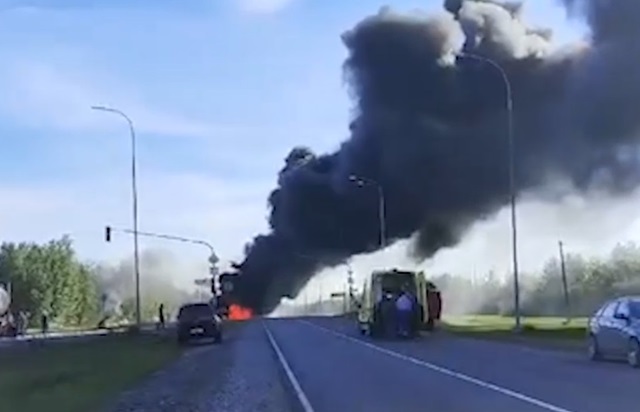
[{"x": 111, "y": 304}]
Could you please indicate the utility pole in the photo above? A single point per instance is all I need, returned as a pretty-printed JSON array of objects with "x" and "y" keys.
[
  {"x": 346, "y": 300},
  {"x": 565, "y": 287},
  {"x": 320, "y": 296},
  {"x": 350, "y": 281}
]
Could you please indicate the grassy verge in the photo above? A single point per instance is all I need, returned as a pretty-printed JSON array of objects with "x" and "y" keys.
[
  {"x": 78, "y": 377},
  {"x": 534, "y": 329}
]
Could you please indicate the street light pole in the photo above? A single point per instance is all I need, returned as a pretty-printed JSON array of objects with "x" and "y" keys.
[
  {"x": 360, "y": 181},
  {"x": 134, "y": 192},
  {"x": 512, "y": 179}
]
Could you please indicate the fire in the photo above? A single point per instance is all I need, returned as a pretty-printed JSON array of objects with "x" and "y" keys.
[{"x": 237, "y": 312}]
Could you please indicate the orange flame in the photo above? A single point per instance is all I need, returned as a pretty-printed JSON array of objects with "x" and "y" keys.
[{"x": 237, "y": 312}]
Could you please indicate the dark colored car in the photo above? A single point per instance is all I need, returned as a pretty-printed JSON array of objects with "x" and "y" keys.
[
  {"x": 614, "y": 331},
  {"x": 198, "y": 320}
]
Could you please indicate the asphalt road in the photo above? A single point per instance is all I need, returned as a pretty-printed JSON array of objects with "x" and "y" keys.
[{"x": 332, "y": 369}]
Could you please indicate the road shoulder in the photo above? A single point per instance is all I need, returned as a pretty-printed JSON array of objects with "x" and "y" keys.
[
  {"x": 541, "y": 333},
  {"x": 239, "y": 375}
]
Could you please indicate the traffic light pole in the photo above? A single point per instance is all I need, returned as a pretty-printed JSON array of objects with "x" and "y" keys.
[
  {"x": 110, "y": 229},
  {"x": 213, "y": 258}
]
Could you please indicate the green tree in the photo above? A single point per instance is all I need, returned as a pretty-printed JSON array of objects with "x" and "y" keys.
[{"x": 49, "y": 278}]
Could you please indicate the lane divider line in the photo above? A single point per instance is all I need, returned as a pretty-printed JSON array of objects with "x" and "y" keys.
[
  {"x": 302, "y": 397},
  {"x": 448, "y": 372}
]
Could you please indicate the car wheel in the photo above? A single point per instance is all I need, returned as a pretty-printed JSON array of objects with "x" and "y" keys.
[
  {"x": 633, "y": 353},
  {"x": 593, "y": 349}
]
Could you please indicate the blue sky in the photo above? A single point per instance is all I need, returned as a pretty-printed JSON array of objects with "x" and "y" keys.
[{"x": 219, "y": 90}]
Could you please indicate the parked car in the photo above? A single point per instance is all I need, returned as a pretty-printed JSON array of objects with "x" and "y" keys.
[
  {"x": 198, "y": 320},
  {"x": 614, "y": 331}
]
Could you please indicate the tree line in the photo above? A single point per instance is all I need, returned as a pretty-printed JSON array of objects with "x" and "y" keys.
[
  {"x": 591, "y": 281},
  {"x": 51, "y": 279}
]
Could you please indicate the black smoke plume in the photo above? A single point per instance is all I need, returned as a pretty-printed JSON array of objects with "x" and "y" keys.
[{"x": 430, "y": 127}]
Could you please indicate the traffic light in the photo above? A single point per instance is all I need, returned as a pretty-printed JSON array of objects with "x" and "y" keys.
[{"x": 107, "y": 233}]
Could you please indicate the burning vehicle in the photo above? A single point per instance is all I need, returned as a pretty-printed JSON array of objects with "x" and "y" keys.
[{"x": 226, "y": 303}]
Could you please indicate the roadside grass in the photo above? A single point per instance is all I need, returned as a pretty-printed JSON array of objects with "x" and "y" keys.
[
  {"x": 78, "y": 377},
  {"x": 501, "y": 327}
]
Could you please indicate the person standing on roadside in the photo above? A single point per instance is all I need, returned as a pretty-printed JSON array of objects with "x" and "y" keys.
[
  {"x": 405, "y": 314},
  {"x": 161, "y": 319},
  {"x": 44, "y": 322}
]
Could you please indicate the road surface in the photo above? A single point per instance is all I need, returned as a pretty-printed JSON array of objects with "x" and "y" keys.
[
  {"x": 240, "y": 375},
  {"x": 330, "y": 368}
]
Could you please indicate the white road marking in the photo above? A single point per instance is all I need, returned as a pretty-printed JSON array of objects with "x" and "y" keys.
[
  {"x": 302, "y": 397},
  {"x": 469, "y": 379}
]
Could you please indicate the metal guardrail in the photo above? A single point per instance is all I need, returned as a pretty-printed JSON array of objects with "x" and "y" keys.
[{"x": 62, "y": 337}]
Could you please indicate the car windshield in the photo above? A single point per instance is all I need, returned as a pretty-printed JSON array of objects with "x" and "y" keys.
[
  {"x": 195, "y": 310},
  {"x": 393, "y": 282}
]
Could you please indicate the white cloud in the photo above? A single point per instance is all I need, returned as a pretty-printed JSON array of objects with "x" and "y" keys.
[
  {"x": 59, "y": 96},
  {"x": 195, "y": 204},
  {"x": 92, "y": 192},
  {"x": 225, "y": 213},
  {"x": 263, "y": 6}
]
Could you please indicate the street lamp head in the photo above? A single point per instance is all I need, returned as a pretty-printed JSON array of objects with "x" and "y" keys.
[{"x": 108, "y": 109}]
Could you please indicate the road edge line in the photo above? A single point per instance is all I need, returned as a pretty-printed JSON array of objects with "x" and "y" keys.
[
  {"x": 302, "y": 397},
  {"x": 445, "y": 371}
]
